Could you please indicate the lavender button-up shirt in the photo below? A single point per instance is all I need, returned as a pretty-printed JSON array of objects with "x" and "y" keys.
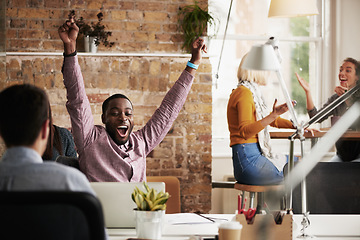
[
  {"x": 22, "y": 169},
  {"x": 100, "y": 158}
]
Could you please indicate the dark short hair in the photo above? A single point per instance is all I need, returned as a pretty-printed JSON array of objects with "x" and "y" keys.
[
  {"x": 24, "y": 108},
  {"x": 356, "y": 63},
  {"x": 106, "y": 102}
]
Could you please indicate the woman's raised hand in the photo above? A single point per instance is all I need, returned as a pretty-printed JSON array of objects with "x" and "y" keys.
[
  {"x": 304, "y": 84},
  {"x": 340, "y": 90}
]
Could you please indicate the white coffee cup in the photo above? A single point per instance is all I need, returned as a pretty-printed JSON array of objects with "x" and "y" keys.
[{"x": 230, "y": 231}]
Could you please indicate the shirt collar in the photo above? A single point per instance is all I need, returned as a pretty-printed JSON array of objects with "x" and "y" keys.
[
  {"x": 21, "y": 155},
  {"x": 125, "y": 146}
]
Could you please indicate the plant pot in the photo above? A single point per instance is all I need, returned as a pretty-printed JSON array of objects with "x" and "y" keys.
[
  {"x": 149, "y": 224},
  {"x": 86, "y": 43},
  {"x": 89, "y": 44}
]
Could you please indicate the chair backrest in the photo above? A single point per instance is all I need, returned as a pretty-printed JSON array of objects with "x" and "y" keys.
[
  {"x": 172, "y": 186},
  {"x": 68, "y": 161},
  {"x": 50, "y": 215},
  {"x": 332, "y": 188}
]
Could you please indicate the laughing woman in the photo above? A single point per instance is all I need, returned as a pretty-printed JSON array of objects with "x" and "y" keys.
[{"x": 349, "y": 74}]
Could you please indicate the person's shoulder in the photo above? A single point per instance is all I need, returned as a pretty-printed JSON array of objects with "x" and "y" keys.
[
  {"x": 67, "y": 177},
  {"x": 99, "y": 131},
  {"x": 62, "y": 169},
  {"x": 242, "y": 91},
  {"x": 100, "y": 128},
  {"x": 62, "y": 130},
  {"x": 241, "y": 88}
]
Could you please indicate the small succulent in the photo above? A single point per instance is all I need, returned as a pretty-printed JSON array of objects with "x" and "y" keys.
[{"x": 150, "y": 200}]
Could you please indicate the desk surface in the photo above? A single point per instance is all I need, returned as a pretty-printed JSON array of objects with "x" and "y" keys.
[
  {"x": 324, "y": 227},
  {"x": 349, "y": 135}
]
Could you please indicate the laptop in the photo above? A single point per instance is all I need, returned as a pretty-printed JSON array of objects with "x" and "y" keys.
[{"x": 116, "y": 201}]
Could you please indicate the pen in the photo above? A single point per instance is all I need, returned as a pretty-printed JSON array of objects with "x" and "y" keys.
[
  {"x": 136, "y": 239},
  {"x": 205, "y": 217},
  {"x": 196, "y": 237}
]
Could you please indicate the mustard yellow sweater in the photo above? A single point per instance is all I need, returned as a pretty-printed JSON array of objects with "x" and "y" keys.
[{"x": 241, "y": 116}]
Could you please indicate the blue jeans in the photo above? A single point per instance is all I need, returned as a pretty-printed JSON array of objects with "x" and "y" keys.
[{"x": 251, "y": 167}]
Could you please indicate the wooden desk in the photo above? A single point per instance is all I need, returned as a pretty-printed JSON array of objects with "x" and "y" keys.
[{"x": 349, "y": 135}]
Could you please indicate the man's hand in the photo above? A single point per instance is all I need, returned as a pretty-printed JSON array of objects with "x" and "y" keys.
[
  {"x": 68, "y": 33},
  {"x": 196, "y": 50}
]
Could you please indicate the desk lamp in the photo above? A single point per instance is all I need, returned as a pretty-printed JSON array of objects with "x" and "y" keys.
[
  {"x": 292, "y": 8},
  {"x": 264, "y": 58}
]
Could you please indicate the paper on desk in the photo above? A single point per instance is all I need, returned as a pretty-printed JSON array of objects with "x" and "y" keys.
[{"x": 186, "y": 218}]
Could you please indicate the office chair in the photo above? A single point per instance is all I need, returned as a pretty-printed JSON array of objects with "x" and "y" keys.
[
  {"x": 51, "y": 215},
  {"x": 172, "y": 186},
  {"x": 68, "y": 161},
  {"x": 333, "y": 189}
]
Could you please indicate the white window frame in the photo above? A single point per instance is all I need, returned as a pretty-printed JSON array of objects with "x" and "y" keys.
[{"x": 320, "y": 24}]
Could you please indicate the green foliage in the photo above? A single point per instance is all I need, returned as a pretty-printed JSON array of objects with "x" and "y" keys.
[
  {"x": 149, "y": 200},
  {"x": 193, "y": 23},
  {"x": 300, "y": 26},
  {"x": 96, "y": 30},
  {"x": 299, "y": 61}
]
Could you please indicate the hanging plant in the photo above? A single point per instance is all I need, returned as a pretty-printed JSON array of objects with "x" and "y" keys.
[{"x": 193, "y": 22}]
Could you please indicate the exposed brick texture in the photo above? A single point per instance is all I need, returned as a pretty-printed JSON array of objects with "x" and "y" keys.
[{"x": 137, "y": 26}]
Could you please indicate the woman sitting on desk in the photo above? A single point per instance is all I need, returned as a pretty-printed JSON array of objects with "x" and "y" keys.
[
  {"x": 349, "y": 74},
  {"x": 248, "y": 121}
]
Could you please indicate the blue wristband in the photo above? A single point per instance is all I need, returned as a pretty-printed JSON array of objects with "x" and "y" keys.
[{"x": 190, "y": 64}]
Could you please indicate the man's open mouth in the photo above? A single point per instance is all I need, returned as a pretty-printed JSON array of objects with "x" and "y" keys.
[{"x": 122, "y": 130}]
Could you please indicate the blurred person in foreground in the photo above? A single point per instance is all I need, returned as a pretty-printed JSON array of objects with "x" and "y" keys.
[{"x": 24, "y": 127}]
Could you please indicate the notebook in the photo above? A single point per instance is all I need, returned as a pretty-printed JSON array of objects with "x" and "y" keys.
[{"x": 115, "y": 198}]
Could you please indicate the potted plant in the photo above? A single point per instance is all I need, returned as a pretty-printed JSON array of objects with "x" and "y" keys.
[
  {"x": 94, "y": 33},
  {"x": 149, "y": 212},
  {"x": 193, "y": 22}
]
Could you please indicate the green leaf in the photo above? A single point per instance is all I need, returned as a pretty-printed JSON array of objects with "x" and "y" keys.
[
  {"x": 139, "y": 200},
  {"x": 159, "y": 207},
  {"x": 193, "y": 23},
  {"x": 146, "y": 187},
  {"x": 161, "y": 201},
  {"x": 150, "y": 204},
  {"x": 152, "y": 195}
]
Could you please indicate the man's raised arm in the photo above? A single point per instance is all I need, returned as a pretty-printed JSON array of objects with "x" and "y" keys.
[{"x": 77, "y": 104}]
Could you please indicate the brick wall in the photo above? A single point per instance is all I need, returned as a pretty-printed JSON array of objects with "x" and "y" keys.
[{"x": 138, "y": 27}]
